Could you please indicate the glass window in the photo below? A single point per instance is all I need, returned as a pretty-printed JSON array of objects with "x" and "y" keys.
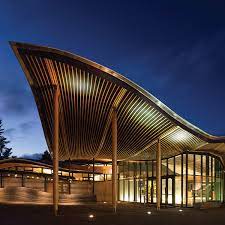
[
  {"x": 191, "y": 178},
  {"x": 37, "y": 170},
  {"x": 125, "y": 164},
  {"x": 154, "y": 168},
  {"x": 99, "y": 177},
  {"x": 204, "y": 178},
  {"x": 190, "y": 185},
  {"x": 170, "y": 191},
  {"x": 217, "y": 180},
  {"x": 126, "y": 191},
  {"x": 131, "y": 170},
  {"x": 198, "y": 182},
  {"x": 164, "y": 167},
  {"x": 184, "y": 179},
  {"x": 20, "y": 168},
  {"x": 121, "y": 170},
  {"x": 137, "y": 190},
  {"x": 150, "y": 168},
  {"x": 131, "y": 184},
  {"x": 178, "y": 178},
  {"x": 143, "y": 169},
  {"x": 171, "y": 166},
  {"x": 28, "y": 169},
  {"x": 121, "y": 190},
  {"x": 142, "y": 184},
  {"x": 47, "y": 171},
  {"x": 137, "y": 169},
  {"x": 178, "y": 166},
  {"x": 65, "y": 173}
]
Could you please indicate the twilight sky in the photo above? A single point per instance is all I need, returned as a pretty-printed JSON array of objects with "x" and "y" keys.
[{"x": 173, "y": 49}]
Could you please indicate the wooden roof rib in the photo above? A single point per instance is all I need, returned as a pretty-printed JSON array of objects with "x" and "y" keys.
[{"x": 88, "y": 92}]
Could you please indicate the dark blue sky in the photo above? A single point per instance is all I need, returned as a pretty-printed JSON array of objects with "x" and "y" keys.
[{"x": 174, "y": 49}]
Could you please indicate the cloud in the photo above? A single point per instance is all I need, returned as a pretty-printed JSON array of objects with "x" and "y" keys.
[
  {"x": 10, "y": 132},
  {"x": 27, "y": 126},
  {"x": 15, "y": 95}
]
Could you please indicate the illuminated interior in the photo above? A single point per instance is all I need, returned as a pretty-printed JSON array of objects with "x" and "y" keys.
[{"x": 187, "y": 179}]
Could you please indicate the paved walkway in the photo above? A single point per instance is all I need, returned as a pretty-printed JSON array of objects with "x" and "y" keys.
[{"x": 127, "y": 214}]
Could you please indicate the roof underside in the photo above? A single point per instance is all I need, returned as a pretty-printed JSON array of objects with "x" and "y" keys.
[{"x": 88, "y": 92}]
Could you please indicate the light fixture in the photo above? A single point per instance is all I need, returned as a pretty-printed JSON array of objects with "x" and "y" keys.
[
  {"x": 180, "y": 210},
  {"x": 149, "y": 213},
  {"x": 104, "y": 202},
  {"x": 91, "y": 216}
]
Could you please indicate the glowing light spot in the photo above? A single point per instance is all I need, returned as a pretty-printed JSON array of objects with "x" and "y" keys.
[
  {"x": 180, "y": 210},
  {"x": 180, "y": 136},
  {"x": 91, "y": 216},
  {"x": 149, "y": 213}
]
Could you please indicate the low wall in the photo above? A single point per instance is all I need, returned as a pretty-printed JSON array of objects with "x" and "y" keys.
[
  {"x": 40, "y": 191},
  {"x": 76, "y": 187},
  {"x": 103, "y": 191},
  {"x": 24, "y": 195}
]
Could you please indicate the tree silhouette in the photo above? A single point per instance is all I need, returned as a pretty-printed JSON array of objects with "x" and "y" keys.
[
  {"x": 4, "y": 151},
  {"x": 46, "y": 157}
]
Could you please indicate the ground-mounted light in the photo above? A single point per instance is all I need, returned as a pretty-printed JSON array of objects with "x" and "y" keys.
[
  {"x": 91, "y": 216},
  {"x": 180, "y": 210},
  {"x": 149, "y": 212}
]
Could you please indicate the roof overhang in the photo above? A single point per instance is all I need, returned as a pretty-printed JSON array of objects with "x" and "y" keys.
[{"x": 88, "y": 92}]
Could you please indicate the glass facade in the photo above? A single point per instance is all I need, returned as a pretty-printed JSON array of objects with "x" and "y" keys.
[{"x": 187, "y": 179}]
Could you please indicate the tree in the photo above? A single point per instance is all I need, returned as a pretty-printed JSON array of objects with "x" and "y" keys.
[
  {"x": 46, "y": 157},
  {"x": 4, "y": 151}
]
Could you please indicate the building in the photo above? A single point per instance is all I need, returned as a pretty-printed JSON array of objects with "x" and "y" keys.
[
  {"x": 89, "y": 112},
  {"x": 29, "y": 181}
]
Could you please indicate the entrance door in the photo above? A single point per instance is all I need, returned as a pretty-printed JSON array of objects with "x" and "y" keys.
[
  {"x": 152, "y": 190},
  {"x": 167, "y": 190},
  {"x": 164, "y": 198},
  {"x": 170, "y": 191}
]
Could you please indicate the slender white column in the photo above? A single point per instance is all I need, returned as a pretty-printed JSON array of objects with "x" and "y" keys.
[
  {"x": 158, "y": 175},
  {"x": 114, "y": 159},
  {"x": 56, "y": 150}
]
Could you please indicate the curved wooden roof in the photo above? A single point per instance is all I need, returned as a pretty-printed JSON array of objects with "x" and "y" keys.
[{"x": 88, "y": 92}]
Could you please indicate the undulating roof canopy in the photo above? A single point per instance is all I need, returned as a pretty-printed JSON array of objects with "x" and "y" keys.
[{"x": 88, "y": 92}]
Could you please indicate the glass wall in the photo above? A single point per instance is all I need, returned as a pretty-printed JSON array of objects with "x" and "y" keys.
[{"x": 187, "y": 179}]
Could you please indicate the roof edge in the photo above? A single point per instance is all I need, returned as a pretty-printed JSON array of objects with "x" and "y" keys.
[{"x": 170, "y": 114}]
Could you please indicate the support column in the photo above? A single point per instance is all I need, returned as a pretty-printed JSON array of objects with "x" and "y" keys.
[
  {"x": 22, "y": 180},
  {"x": 56, "y": 150},
  {"x": 1, "y": 181},
  {"x": 158, "y": 175},
  {"x": 114, "y": 159},
  {"x": 70, "y": 180},
  {"x": 45, "y": 184},
  {"x": 93, "y": 176}
]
